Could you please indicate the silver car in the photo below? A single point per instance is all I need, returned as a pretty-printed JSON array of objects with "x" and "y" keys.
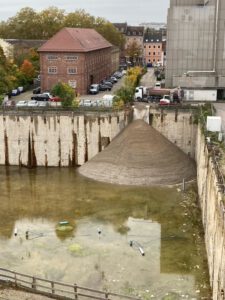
[
  {"x": 21, "y": 103},
  {"x": 33, "y": 103}
]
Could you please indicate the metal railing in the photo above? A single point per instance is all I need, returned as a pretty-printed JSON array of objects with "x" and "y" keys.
[{"x": 56, "y": 289}]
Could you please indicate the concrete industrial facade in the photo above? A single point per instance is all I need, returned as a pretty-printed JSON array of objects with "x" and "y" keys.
[{"x": 196, "y": 44}]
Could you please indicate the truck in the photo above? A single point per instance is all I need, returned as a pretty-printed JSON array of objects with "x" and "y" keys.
[{"x": 141, "y": 92}]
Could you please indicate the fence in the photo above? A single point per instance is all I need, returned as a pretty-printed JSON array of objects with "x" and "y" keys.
[{"x": 54, "y": 289}]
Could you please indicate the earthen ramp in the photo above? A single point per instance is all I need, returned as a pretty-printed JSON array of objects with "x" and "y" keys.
[{"x": 140, "y": 155}]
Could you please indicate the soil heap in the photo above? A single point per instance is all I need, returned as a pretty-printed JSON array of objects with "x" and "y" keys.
[{"x": 140, "y": 155}]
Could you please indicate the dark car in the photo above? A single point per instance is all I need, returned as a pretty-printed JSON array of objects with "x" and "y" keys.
[
  {"x": 108, "y": 83},
  {"x": 104, "y": 87},
  {"x": 37, "y": 90},
  {"x": 41, "y": 97},
  {"x": 110, "y": 80}
]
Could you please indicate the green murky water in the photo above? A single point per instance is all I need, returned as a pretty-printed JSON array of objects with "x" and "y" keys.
[{"x": 106, "y": 219}]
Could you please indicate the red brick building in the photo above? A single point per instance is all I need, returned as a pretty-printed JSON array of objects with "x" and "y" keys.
[{"x": 77, "y": 56}]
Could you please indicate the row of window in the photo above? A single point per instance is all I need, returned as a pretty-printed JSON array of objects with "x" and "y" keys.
[
  {"x": 154, "y": 53},
  {"x": 54, "y": 70},
  {"x": 66, "y": 57},
  {"x": 154, "y": 60},
  {"x": 152, "y": 46}
]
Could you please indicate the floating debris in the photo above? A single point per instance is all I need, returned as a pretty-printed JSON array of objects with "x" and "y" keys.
[
  {"x": 64, "y": 226},
  {"x": 137, "y": 245}
]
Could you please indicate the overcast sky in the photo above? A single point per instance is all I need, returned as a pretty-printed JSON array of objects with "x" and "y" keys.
[{"x": 132, "y": 11}]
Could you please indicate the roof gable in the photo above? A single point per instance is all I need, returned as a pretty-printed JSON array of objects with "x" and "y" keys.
[{"x": 75, "y": 40}]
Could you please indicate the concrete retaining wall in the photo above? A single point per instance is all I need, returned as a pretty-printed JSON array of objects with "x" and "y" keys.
[
  {"x": 176, "y": 126},
  {"x": 213, "y": 216},
  {"x": 56, "y": 140}
]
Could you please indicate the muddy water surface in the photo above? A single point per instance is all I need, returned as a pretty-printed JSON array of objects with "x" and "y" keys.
[{"x": 109, "y": 224}]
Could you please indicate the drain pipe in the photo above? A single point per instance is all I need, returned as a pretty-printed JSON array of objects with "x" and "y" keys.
[{"x": 215, "y": 42}]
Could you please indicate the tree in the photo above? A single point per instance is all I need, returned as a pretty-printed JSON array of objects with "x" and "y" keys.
[
  {"x": 51, "y": 21},
  {"x": 24, "y": 25},
  {"x": 29, "y": 24},
  {"x": 27, "y": 69},
  {"x": 65, "y": 92},
  {"x": 134, "y": 51},
  {"x": 79, "y": 19}
]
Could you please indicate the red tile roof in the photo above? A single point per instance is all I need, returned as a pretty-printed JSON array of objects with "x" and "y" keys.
[{"x": 75, "y": 40}]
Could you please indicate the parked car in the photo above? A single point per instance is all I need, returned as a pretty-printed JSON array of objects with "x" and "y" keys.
[
  {"x": 21, "y": 89},
  {"x": 118, "y": 75},
  {"x": 110, "y": 80},
  {"x": 21, "y": 103},
  {"x": 104, "y": 87},
  {"x": 108, "y": 83},
  {"x": 40, "y": 97},
  {"x": 55, "y": 99},
  {"x": 114, "y": 79},
  {"x": 15, "y": 92},
  {"x": 33, "y": 103},
  {"x": 37, "y": 90},
  {"x": 94, "y": 89}
]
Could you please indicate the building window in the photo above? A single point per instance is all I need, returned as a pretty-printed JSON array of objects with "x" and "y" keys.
[
  {"x": 72, "y": 83},
  {"x": 149, "y": 53},
  {"x": 154, "y": 46},
  {"x": 144, "y": 46},
  {"x": 158, "y": 46},
  {"x": 149, "y": 46},
  {"x": 52, "y": 70},
  {"x": 71, "y": 70},
  {"x": 71, "y": 57},
  {"x": 52, "y": 57},
  {"x": 153, "y": 53}
]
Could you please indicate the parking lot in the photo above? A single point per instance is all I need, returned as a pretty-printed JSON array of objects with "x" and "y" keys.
[{"x": 26, "y": 96}]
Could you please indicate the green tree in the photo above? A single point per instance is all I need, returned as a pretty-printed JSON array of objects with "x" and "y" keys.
[
  {"x": 125, "y": 93},
  {"x": 24, "y": 25},
  {"x": 65, "y": 92},
  {"x": 109, "y": 32},
  {"x": 79, "y": 19},
  {"x": 4, "y": 82},
  {"x": 51, "y": 21}
]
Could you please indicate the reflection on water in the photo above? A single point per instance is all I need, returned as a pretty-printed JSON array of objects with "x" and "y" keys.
[{"x": 98, "y": 252}]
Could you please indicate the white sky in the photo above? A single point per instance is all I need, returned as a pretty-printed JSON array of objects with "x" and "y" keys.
[{"x": 132, "y": 11}]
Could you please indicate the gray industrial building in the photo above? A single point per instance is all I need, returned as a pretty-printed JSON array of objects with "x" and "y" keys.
[{"x": 196, "y": 45}]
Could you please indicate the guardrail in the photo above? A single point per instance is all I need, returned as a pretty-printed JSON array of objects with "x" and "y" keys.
[{"x": 56, "y": 289}]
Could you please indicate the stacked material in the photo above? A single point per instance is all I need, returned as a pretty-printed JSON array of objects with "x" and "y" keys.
[{"x": 140, "y": 155}]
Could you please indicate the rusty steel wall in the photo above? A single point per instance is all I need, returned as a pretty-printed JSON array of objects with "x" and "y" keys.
[{"x": 56, "y": 140}]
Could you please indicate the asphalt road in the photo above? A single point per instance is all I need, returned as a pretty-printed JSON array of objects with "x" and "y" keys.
[{"x": 149, "y": 79}]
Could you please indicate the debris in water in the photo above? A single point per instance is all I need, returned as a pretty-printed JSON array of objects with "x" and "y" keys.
[
  {"x": 137, "y": 245},
  {"x": 64, "y": 226},
  {"x": 15, "y": 232}
]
